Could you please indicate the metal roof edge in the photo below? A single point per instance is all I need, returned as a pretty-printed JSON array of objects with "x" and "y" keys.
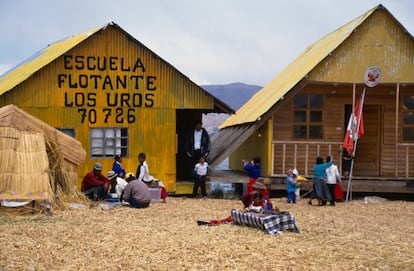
[{"x": 40, "y": 59}]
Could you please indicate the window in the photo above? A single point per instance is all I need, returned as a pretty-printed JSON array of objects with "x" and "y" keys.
[
  {"x": 68, "y": 131},
  {"x": 408, "y": 118},
  {"x": 106, "y": 142},
  {"x": 307, "y": 119}
]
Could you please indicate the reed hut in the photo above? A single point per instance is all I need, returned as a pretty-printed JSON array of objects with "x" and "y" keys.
[{"x": 38, "y": 163}]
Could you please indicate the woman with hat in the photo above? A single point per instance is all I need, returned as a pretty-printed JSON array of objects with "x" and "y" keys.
[
  {"x": 258, "y": 187},
  {"x": 117, "y": 184},
  {"x": 136, "y": 193}
]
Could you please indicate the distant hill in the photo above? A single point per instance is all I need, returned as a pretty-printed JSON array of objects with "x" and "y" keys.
[{"x": 234, "y": 94}]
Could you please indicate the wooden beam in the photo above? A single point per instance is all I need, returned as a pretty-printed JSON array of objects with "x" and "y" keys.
[{"x": 397, "y": 98}]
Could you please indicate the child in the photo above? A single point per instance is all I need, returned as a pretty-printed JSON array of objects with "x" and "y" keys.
[
  {"x": 143, "y": 174},
  {"x": 254, "y": 171},
  {"x": 299, "y": 180},
  {"x": 201, "y": 170},
  {"x": 291, "y": 185}
]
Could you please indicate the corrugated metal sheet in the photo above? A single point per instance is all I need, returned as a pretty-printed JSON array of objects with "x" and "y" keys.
[
  {"x": 379, "y": 41},
  {"x": 66, "y": 86},
  {"x": 31, "y": 65},
  {"x": 198, "y": 97},
  {"x": 273, "y": 92}
]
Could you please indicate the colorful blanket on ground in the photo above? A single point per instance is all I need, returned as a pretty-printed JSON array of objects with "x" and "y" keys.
[{"x": 272, "y": 224}]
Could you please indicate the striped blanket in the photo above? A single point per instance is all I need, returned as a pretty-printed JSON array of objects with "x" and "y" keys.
[{"x": 272, "y": 224}]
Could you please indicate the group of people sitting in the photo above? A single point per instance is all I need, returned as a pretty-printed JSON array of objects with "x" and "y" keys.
[{"x": 130, "y": 188}]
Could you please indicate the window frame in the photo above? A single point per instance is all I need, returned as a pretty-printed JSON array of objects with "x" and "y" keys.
[
  {"x": 405, "y": 110},
  {"x": 308, "y": 124},
  {"x": 108, "y": 150}
]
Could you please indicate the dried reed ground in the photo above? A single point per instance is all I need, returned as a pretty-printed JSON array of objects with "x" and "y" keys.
[{"x": 351, "y": 236}]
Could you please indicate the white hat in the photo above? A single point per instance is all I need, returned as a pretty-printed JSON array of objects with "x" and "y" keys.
[
  {"x": 295, "y": 172},
  {"x": 111, "y": 174}
]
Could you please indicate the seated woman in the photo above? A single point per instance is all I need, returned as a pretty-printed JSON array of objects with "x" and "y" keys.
[
  {"x": 144, "y": 175},
  {"x": 258, "y": 188},
  {"x": 136, "y": 193},
  {"x": 118, "y": 184}
]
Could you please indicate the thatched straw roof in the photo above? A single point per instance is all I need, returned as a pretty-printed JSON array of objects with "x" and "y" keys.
[{"x": 70, "y": 148}]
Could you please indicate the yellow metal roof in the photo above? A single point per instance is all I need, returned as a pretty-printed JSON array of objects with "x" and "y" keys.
[
  {"x": 24, "y": 70},
  {"x": 274, "y": 91}
]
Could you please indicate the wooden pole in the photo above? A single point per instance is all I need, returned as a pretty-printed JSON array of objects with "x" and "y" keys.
[
  {"x": 361, "y": 106},
  {"x": 348, "y": 189},
  {"x": 397, "y": 98}
]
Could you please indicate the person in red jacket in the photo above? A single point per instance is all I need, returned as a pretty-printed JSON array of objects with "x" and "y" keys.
[
  {"x": 249, "y": 197},
  {"x": 95, "y": 185}
]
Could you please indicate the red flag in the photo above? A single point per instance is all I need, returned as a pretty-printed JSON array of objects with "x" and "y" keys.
[{"x": 355, "y": 127}]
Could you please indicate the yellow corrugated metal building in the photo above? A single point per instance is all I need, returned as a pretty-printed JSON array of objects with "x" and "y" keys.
[
  {"x": 115, "y": 96},
  {"x": 304, "y": 111}
]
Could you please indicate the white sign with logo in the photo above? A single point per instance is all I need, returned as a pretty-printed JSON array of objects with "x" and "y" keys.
[{"x": 372, "y": 76}]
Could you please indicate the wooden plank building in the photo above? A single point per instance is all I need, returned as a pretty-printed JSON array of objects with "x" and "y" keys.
[
  {"x": 304, "y": 111},
  {"x": 115, "y": 96}
]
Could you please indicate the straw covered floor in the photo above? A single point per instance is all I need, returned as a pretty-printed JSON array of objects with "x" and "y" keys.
[{"x": 350, "y": 236}]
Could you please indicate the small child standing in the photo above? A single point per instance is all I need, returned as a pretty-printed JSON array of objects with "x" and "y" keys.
[
  {"x": 291, "y": 185},
  {"x": 299, "y": 180},
  {"x": 201, "y": 170}
]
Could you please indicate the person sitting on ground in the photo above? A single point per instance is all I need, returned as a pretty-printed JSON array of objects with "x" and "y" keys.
[
  {"x": 117, "y": 166},
  {"x": 143, "y": 174},
  {"x": 118, "y": 184},
  {"x": 258, "y": 187},
  {"x": 94, "y": 184},
  {"x": 259, "y": 203},
  {"x": 291, "y": 185},
  {"x": 136, "y": 192}
]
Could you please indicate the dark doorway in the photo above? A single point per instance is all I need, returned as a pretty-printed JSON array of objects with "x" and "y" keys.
[
  {"x": 185, "y": 124},
  {"x": 367, "y": 158}
]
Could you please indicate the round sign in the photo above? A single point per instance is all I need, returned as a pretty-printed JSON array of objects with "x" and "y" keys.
[{"x": 372, "y": 76}]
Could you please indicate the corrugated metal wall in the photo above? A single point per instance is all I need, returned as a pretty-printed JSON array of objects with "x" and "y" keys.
[
  {"x": 379, "y": 41},
  {"x": 143, "y": 99}
]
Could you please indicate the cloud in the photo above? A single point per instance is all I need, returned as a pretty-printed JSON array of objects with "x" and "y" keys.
[{"x": 210, "y": 41}]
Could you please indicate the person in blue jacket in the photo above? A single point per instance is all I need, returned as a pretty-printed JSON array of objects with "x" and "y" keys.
[{"x": 117, "y": 167}]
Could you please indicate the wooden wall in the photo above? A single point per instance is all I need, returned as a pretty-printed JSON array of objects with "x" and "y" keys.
[{"x": 392, "y": 158}]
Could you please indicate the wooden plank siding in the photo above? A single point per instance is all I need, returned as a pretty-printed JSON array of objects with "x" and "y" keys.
[{"x": 376, "y": 150}]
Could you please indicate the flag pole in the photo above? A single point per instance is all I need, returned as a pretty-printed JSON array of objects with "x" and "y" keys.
[{"x": 361, "y": 105}]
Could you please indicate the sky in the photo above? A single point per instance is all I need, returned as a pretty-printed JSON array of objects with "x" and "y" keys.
[{"x": 210, "y": 41}]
